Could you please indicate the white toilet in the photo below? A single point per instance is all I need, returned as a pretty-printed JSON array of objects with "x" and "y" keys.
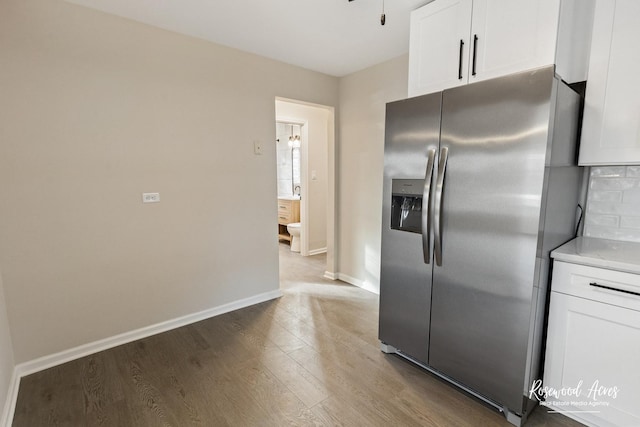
[{"x": 294, "y": 231}]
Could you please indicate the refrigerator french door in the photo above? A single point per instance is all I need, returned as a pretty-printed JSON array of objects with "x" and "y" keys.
[
  {"x": 463, "y": 293},
  {"x": 412, "y": 136}
]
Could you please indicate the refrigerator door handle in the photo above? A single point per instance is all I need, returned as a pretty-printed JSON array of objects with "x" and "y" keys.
[
  {"x": 426, "y": 207},
  {"x": 437, "y": 216}
]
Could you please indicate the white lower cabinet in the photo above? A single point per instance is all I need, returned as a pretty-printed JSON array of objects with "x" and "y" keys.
[{"x": 592, "y": 366}]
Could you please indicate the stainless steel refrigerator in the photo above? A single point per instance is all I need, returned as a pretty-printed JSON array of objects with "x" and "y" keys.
[{"x": 480, "y": 184}]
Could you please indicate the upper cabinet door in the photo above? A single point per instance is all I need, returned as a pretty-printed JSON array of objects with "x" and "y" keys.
[
  {"x": 508, "y": 36},
  {"x": 611, "y": 126},
  {"x": 439, "y": 46},
  {"x": 455, "y": 42}
]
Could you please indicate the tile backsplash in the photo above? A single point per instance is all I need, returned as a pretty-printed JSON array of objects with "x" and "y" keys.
[{"x": 613, "y": 203}]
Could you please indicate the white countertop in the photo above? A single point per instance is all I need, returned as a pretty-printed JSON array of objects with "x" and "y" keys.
[
  {"x": 289, "y": 197},
  {"x": 602, "y": 253}
]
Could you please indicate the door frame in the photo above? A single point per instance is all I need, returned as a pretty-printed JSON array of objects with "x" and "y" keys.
[{"x": 330, "y": 269}]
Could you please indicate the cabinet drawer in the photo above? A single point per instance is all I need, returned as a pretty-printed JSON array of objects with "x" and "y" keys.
[
  {"x": 284, "y": 205},
  {"x": 284, "y": 211},
  {"x": 284, "y": 217},
  {"x": 597, "y": 284},
  {"x": 288, "y": 211}
]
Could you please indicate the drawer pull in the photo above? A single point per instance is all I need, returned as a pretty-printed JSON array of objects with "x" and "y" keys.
[{"x": 596, "y": 285}]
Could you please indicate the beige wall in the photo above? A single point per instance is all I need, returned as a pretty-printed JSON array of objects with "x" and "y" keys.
[
  {"x": 96, "y": 110},
  {"x": 316, "y": 131},
  {"x": 363, "y": 96},
  {"x": 6, "y": 352}
]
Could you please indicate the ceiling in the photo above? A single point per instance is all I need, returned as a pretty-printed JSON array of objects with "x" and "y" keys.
[{"x": 336, "y": 37}]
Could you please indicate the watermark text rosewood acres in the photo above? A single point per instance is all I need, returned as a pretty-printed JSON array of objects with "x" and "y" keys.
[{"x": 565, "y": 398}]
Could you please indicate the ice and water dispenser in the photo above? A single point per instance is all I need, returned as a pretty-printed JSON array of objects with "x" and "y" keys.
[{"x": 406, "y": 204}]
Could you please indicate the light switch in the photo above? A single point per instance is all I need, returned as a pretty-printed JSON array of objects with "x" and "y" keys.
[
  {"x": 257, "y": 147},
  {"x": 314, "y": 175}
]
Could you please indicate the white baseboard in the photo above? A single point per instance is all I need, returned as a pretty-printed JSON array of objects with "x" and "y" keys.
[
  {"x": 331, "y": 276},
  {"x": 359, "y": 283},
  {"x": 317, "y": 251},
  {"x": 10, "y": 402},
  {"x": 49, "y": 361}
]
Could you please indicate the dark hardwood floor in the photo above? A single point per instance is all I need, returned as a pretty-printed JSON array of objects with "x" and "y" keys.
[{"x": 309, "y": 358}]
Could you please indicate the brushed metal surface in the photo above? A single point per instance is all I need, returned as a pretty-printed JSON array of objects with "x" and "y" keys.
[
  {"x": 501, "y": 195},
  {"x": 412, "y": 131},
  {"x": 497, "y": 134},
  {"x": 558, "y": 220}
]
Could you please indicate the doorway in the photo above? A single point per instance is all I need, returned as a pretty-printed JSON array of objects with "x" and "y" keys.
[{"x": 315, "y": 124}]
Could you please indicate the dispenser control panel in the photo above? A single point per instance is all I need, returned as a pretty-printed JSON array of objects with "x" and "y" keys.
[{"x": 406, "y": 204}]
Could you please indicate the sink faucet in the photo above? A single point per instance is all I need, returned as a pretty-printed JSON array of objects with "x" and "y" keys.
[{"x": 296, "y": 190}]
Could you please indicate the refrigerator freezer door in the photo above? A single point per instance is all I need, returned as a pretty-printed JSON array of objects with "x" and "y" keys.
[
  {"x": 496, "y": 133},
  {"x": 411, "y": 134}
]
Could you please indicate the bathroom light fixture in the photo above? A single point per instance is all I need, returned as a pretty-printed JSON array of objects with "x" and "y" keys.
[{"x": 294, "y": 140}]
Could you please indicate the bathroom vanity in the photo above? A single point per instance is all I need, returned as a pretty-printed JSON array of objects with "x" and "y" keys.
[{"x": 288, "y": 212}]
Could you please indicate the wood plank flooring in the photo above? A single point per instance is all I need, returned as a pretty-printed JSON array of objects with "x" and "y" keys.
[{"x": 310, "y": 358}]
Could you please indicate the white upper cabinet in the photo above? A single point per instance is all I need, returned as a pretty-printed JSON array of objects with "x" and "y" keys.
[
  {"x": 439, "y": 46},
  {"x": 455, "y": 42},
  {"x": 510, "y": 36},
  {"x": 611, "y": 125}
]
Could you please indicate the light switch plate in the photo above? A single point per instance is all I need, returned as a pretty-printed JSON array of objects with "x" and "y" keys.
[
  {"x": 257, "y": 147},
  {"x": 150, "y": 197}
]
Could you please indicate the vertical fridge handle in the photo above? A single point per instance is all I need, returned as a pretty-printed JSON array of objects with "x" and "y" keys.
[
  {"x": 426, "y": 207},
  {"x": 437, "y": 216}
]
